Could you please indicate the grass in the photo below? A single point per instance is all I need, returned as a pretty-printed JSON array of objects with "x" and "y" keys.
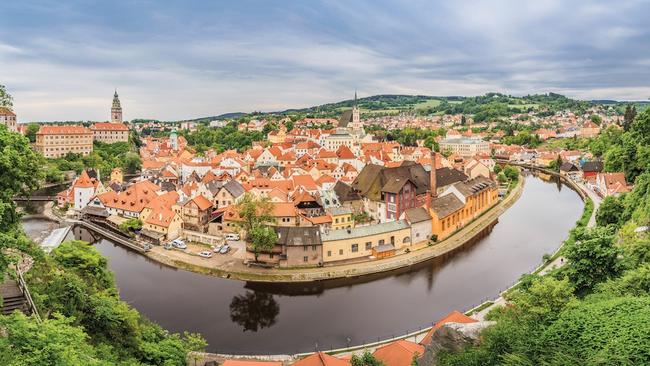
[{"x": 427, "y": 104}]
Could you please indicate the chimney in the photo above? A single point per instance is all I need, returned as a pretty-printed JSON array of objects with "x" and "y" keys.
[{"x": 433, "y": 185}]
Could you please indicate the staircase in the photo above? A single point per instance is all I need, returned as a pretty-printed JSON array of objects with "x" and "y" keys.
[{"x": 13, "y": 298}]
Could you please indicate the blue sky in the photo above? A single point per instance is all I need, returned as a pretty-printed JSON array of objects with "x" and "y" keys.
[{"x": 185, "y": 59}]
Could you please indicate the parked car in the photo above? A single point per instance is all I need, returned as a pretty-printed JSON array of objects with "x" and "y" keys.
[
  {"x": 232, "y": 237},
  {"x": 178, "y": 243},
  {"x": 225, "y": 249},
  {"x": 216, "y": 248},
  {"x": 205, "y": 254}
]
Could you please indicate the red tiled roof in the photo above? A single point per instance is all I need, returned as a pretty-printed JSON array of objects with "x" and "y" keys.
[
  {"x": 399, "y": 353},
  {"x": 321, "y": 359},
  {"x": 63, "y": 130},
  {"x": 453, "y": 317},
  {"x": 108, "y": 126}
]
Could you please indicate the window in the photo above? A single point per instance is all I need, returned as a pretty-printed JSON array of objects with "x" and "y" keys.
[
  {"x": 381, "y": 242},
  {"x": 340, "y": 251},
  {"x": 329, "y": 253},
  {"x": 368, "y": 245},
  {"x": 304, "y": 248},
  {"x": 305, "y": 259},
  {"x": 313, "y": 247},
  {"x": 355, "y": 248}
]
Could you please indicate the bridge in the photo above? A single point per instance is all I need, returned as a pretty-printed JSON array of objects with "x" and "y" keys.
[{"x": 34, "y": 198}]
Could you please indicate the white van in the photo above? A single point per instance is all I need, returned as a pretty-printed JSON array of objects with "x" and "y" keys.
[{"x": 232, "y": 237}]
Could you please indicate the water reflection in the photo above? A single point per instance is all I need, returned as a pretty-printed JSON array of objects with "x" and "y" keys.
[
  {"x": 239, "y": 317},
  {"x": 254, "y": 310}
]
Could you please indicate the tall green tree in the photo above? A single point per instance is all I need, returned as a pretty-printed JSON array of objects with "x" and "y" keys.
[
  {"x": 6, "y": 100},
  {"x": 628, "y": 117},
  {"x": 593, "y": 258}
]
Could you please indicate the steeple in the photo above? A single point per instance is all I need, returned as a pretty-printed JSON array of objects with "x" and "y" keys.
[
  {"x": 355, "y": 97},
  {"x": 116, "y": 109},
  {"x": 356, "y": 120}
]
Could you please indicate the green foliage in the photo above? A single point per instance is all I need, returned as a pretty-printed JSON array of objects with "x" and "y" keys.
[
  {"x": 524, "y": 138},
  {"x": 263, "y": 239},
  {"x": 367, "y": 359},
  {"x": 131, "y": 225},
  {"x": 596, "y": 119},
  {"x": 222, "y": 139},
  {"x": 55, "y": 341},
  {"x": 593, "y": 258},
  {"x": 76, "y": 283},
  {"x": 32, "y": 129},
  {"x": 256, "y": 216},
  {"x": 601, "y": 332},
  {"x": 609, "y": 211}
]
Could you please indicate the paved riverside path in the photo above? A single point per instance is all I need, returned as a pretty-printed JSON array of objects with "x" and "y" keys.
[
  {"x": 242, "y": 272},
  {"x": 558, "y": 262}
]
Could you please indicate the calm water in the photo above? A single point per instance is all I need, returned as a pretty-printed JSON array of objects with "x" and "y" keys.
[{"x": 239, "y": 317}]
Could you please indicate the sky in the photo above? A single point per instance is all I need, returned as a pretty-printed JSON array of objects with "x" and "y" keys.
[{"x": 170, "y": 60}]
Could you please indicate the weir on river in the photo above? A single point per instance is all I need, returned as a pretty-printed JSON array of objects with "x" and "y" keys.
[{"x": 253, "y": 318}]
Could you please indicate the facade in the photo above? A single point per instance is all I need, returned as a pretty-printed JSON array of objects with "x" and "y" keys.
[
  {"x": 465, "y": 147},
  {"x": 196, "y": 213},
  {"x": 8, "y": 118},
  {"x": 57, "y": 141},
  {"x": 420, "y": 222},
  {"x": 116, "y": 109},
  {"x": 341, "y": 217},
  {"x": 364, "y": 241},
  {"x": 110, "y": 132},
  {"x": 611, "y": 184}
]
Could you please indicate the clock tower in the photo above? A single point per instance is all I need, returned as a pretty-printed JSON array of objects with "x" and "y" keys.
[{"x": 116, "y": 109}]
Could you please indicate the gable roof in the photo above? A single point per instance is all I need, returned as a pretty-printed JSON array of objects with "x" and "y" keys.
[
  {"x": 593, "y": 166},
  {"x": 446, "y": 205},
  {"x": 453, "y": 317},
  {"x": 398, "y": 353},
  {"x": 321, "y": 359},
  {"x": 345, "y": 193},
  {"x": 417, "y": 214},
  {"x": 234, "y": 188}
]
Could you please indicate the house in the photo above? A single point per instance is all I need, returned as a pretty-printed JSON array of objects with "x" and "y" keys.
[
  {"x": 300, "y": 246},
  {"x": 399, "y": 353},
  {"x": 569, "y": 170},
  {"x": 365, "y": 241},
  {"x": 453, "y": 317},
  {"x": 82, "y": 190},
  {"x": 129, "y": 202},
  {"x": 475, "y": 168},
  {"x": 341, "y": 217},
  {"x": 230, "y": 193},
  {"x": 611, "y": 184},
  {"x": 589, "y": 130},
  {"x": 590, "y": 169},
  {"x": 196, "y": 213},
  {"x": 420, "y": 222},
  {"x": 161, "y": 219},
  {"x": 321, "y": 359}
]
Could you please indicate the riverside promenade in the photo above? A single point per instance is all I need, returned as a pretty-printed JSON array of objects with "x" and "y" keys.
[{"x": 456, "y": 241}]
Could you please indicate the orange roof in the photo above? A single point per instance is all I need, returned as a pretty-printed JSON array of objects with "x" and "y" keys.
[
  {"x": 306, "y": 181},
  {"x": 453, "y": 317},
  {"x": 321, "y": 359},
  {"x": 63, "y": 130},
  {"x": 201, "y": 202},
  {"x": 285, "y": 209},
  {"x": 133, "y": 199},
  {"x": 250, "y": 363},
  {"x": 399, "y": 353},
  {"x": 108, "y": 126},
  {"x": 83, "y": 181},
  {"x": 344, "y": 152},
  {"x": 6, "y": 112}
]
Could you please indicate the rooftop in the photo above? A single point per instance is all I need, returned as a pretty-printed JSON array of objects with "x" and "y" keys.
[{"x": 362, "y": 231}]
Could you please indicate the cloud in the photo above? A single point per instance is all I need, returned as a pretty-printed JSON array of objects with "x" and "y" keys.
[{"x": 173, "y": 61}]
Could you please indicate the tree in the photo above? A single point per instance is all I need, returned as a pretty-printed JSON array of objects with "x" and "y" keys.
[
  {"x": 367, "y": 359},
  {"x": 628, "y": 117},
  {"x": 6, "y": 100},
  {"x": 254, "y": 310},
  {"x": 132, "y": 163},
  {"x": 511, "y": 172},
  {"x": 32, "y": 129},
  {"x": 544, "y": 298},
  {"x": 609, "y": 211},
  {"x": 131, "y": 225},
  {"x": 20, "y": 174},
  {"x": 596, "y": 119},
  {"x": 593, "y": 258},
  {"x": 255, "y": 214},
  {"x": 263, "y": 239}
]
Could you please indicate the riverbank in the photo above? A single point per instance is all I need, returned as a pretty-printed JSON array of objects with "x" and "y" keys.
[{"x": 239, "y": 271}]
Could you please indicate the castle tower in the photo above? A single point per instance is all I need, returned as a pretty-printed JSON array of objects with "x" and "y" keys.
[
  {"x": 173, "y": 140},
  {"x": 116, "y": 109}
]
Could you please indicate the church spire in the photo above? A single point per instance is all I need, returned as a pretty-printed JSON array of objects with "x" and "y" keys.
[
  {"x": 355, "y": 97},
  {"x": 116, "y": 109}
]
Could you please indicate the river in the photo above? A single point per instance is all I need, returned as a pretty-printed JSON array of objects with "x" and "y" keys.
[{"x": 246, "y": 318}]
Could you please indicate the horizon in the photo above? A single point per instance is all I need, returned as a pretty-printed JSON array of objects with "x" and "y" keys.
[{"x": 170, "y": 61}]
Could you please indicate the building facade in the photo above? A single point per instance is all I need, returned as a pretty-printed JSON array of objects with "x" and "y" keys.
[
  {"x": 57, "y": 141},
  {"x": 8, "y": 118},
  {"x": 109, "y": 133},
  {"x": 465, "y": 147}
]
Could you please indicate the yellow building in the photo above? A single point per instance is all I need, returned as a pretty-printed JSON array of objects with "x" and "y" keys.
[
  {"x": 460, "y": 204},
  {"x": 109, "y": 133},
  {"x": 8, "y": 118},
  {"x": 161, "y": 218},
  {"x": 365, "y": 241},
  {"x": 117, "y": 176},
  {"x": 341, "y": 218},
  {"x": 57, "y": 141}
]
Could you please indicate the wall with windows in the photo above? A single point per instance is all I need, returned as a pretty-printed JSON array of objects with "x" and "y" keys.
[{"x": 359, "y": 247}]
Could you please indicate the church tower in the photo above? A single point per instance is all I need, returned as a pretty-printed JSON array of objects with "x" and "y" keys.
[
  {"x": 356, "y": 121},
  {"x": 116, "y": 109}
]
